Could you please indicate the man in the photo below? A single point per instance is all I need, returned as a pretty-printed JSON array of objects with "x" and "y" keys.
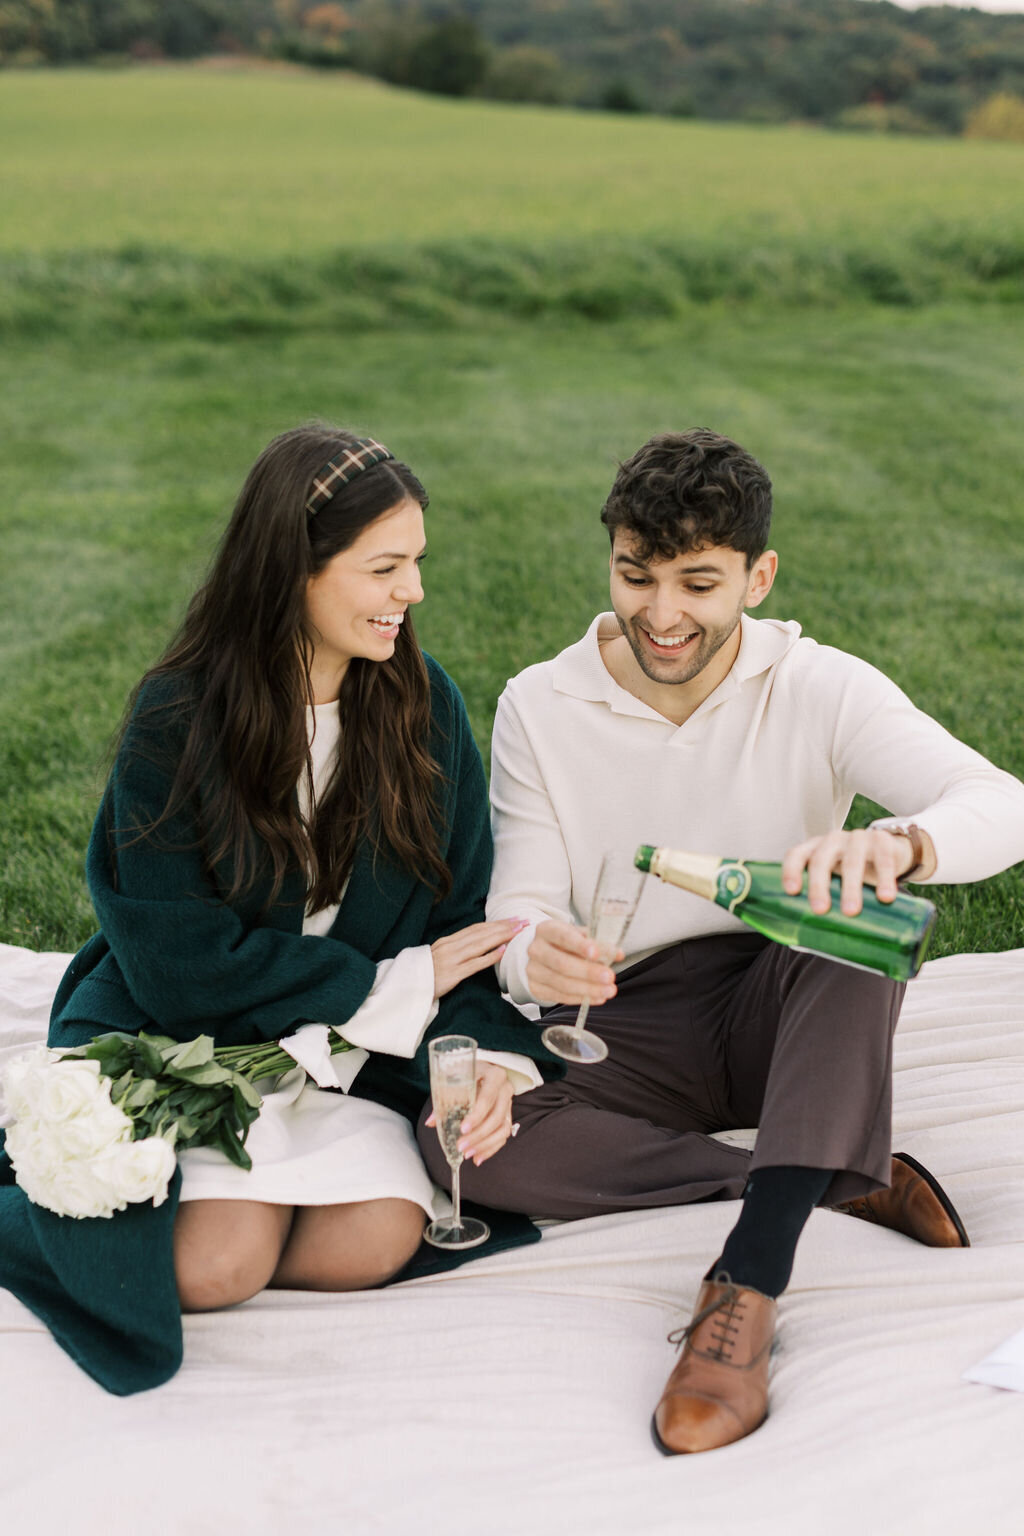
[{"x": 680, "y": 720}]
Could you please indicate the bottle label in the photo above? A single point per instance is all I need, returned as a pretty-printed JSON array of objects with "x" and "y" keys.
[{"x": 734, "y": 881}]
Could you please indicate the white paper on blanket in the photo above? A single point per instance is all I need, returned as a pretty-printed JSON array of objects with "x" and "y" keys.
[
  {"x": 310, "y": 1047},
  {"x": 1004, "y": 1367}
]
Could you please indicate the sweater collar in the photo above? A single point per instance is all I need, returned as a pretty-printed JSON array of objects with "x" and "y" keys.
[{"x": 580, "y": 672}]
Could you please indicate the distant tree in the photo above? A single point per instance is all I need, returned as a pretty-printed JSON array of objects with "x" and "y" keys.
[
  {"x": 1000, "y": 117},
  {"x": 317, "y": 35},
  {"x": 620, "y": 96},
  {"x": 115, "y": 25},
  {"x": 187, "y": 28},
  {"x": 523, "y": 73},
  {"x": 944, "y": 106},
  {"x": 40, "y": 30},
  {"x": 449, "y": 58},
  {"x": 328, "y": 20},
  {"x": 384, "y": 38}
]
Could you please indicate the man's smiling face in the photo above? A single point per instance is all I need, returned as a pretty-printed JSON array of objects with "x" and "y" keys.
[{"x": 676, "y": 615}]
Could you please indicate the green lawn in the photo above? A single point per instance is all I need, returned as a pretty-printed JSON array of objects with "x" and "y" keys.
[
  {"x": 192, "y": 259},
  {"x": 247, "y": 161},
  {"x": 892, "y": 437}
]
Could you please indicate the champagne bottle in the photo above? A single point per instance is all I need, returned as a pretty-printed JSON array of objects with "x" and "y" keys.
[{"x": 886, "y": 936}]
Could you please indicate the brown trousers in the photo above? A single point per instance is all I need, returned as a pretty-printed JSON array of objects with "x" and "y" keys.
[{"x": 710, "y": 1035}]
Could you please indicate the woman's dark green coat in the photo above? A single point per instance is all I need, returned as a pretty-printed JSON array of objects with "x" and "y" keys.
[{"x": 173, "y": 957}]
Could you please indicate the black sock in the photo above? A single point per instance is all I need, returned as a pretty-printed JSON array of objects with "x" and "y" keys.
[{"x": 758, "y": 1252}]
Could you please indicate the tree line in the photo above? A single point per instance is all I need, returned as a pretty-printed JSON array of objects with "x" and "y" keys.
[{"x": 848, "y": 63}]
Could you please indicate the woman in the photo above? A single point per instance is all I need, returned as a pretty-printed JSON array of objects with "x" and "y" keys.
[{"x": 295, "y": 830}]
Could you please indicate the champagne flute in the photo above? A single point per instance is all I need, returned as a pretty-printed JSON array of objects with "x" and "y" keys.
[
  {"x": 611, "y": 912},
  {"x": 453, "y": 1093}
]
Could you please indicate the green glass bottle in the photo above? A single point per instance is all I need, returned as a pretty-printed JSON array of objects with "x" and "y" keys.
[{"x": 886, "y": 936}]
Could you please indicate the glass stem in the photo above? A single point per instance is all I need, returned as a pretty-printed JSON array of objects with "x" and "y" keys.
[
  {"x": 456, "y": 1197},
  {"x": 581, "y": 1018}
]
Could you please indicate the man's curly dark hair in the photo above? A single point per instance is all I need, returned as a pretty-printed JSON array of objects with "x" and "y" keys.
[{"x": 684, "y": 491}]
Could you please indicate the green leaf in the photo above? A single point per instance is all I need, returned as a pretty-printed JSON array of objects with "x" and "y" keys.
[
  {"x": 193, "y": 1053},
  {"x": 206, "y": 1073},
  {"x": 244, "y": 1090},
  {"x": 207, "y": 1122},
  {"x": 148, "y": 1057},
  {"x": 160, "y": 1043},
  {"x": 107, "y": 1041},
  {"x": 180, "y": 1094},
  {"x": 148, "y": 1122},
  {"x": 113, "y": 1052},
  {"x": 120, "y": 1088},
  {"x": 144, "y": 1092},
  {"x": 232, "y": 1147}
]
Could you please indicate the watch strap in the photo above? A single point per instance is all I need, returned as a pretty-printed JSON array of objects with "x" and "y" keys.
[{"x": 916, "y": 849}]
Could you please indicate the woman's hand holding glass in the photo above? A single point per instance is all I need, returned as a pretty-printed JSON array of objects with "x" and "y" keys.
[
  {"x": 488, "y": 1125},
  {"x": 453, "y": 1090},
  {"x": 470, "y": 950}
]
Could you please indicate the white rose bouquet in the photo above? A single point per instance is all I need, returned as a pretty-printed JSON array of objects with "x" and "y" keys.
[{"x": 92, "y": 1130}]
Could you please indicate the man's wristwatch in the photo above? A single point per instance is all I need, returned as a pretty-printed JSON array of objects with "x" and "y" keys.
[{"x": 916, "y": 848}]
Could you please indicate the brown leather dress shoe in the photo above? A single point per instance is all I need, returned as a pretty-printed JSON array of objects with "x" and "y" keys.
[
  {"x": 718, "y": 1391},
  {"x": 915, "y": 1204}
]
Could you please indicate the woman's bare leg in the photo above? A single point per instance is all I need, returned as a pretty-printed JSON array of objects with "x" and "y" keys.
[
  {"x": 348, "y": 1247},
  {"x": 226, "y": 1250}
]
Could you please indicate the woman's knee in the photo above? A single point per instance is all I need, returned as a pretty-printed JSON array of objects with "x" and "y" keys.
[
  {"x": 220, "y": 1263},
  {"x": 398, "y": 1233},
  {"x": 350, "y": 1247},
  {"x": 382, "y": 1236}
]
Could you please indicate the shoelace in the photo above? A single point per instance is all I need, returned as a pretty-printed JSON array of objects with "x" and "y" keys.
[
  {"x": 729, "y": 1302},
  {"x": 861, "y": 1208}
]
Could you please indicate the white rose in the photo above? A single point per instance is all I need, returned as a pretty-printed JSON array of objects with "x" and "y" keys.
[
  {"x": 29, "y": 1146},
  {"x": 138, "y": 1170},
  {"x": 67, "y": 1186},
  {"x": 70, "y": 1088},
  {"x": 98, "y": 1127},
  {"x": 77, "y": 1188},
  {"x": 21, "y": 1082}
]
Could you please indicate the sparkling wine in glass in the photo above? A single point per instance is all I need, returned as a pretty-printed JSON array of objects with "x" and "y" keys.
[
  {"x": 615, "y": 898},
  {"x": 453, "y": 1094}
]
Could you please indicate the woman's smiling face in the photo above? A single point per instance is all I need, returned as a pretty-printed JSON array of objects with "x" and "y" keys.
[{"x": 356, "y": 604}]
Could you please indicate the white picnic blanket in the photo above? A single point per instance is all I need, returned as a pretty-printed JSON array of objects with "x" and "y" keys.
[{"x": 514, "y": 1396}]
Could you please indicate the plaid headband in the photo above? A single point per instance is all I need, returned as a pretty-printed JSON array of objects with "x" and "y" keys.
[{"x": 364, "y": 453}]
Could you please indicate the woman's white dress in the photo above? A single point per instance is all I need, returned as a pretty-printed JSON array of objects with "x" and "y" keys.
[{"x": 313, "y": 1147}]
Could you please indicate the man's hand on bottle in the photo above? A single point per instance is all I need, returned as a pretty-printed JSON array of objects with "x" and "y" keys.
[
  {"x": 870, "y": 856},
  {"x": 565, "y": 966}
]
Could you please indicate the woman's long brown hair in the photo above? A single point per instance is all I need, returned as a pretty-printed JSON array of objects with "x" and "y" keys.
[{"x": 243, "y": 654}]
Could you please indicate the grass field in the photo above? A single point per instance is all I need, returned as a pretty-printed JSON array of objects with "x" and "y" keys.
[
  {"x": 892, "y": 434},
  {"x": 295, "y": 163}
]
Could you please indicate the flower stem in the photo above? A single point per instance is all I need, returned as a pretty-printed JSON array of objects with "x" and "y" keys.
[{"x": 257, "y": 1061}]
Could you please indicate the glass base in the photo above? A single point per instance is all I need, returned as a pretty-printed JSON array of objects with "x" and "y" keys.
[
  {"x": 470, "y": 1233},
  {"x": 585, "y": 1046}
]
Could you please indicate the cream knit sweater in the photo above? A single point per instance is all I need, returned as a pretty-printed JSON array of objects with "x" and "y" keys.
[{"x": 774, "y": 756}]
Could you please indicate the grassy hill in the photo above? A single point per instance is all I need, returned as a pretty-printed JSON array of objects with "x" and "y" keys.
[{"x": 276, "y": 162}]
